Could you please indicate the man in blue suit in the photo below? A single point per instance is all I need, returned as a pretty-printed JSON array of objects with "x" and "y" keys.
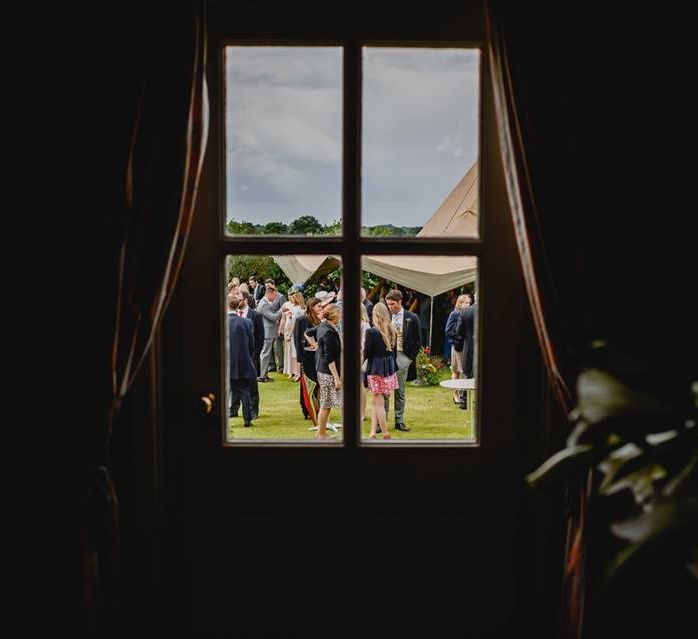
[
  {"x": 244, "y": 310},
  {"x": 241, "y": 368}
]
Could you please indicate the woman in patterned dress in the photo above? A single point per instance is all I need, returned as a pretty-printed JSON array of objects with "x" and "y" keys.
[{"x": 328, "y": 364}]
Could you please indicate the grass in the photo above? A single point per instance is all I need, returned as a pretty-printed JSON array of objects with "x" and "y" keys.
[{"x": 429, "y": 413}]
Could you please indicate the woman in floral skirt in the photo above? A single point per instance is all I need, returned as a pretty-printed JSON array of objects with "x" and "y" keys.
[{"x": 380, "y": 365}]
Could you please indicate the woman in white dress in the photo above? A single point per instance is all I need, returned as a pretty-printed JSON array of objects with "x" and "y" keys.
[{"x": 291, "y": 311}]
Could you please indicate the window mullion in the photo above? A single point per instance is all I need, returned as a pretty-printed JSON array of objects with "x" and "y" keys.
[{"x": 351, "y": 225}]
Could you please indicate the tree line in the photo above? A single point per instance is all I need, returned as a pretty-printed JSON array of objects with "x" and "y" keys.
[{"x": 310, "y": 225}]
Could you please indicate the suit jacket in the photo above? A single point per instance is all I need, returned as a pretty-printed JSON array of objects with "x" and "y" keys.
[
  {"x": 271, "y": 314},
  {"x": 306, "y": 358},
  {"x": 241, "y": 348},
  {"x": 258, "y": 293},
  {"x": 411, "y": 335},
  {"x": 411, "y": 340},
  {"x": 369, "y": 310},
  {"x": 258, "y": 325},
  {"x": 468, "y": 331}
]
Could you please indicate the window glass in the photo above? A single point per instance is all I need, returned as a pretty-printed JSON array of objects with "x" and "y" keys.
[
  {"x": 424, "y": 385},
  {"x": 284, "y": 348},
  {"x": 420, "y": 142},
  {"x": 283, "y": 115}
]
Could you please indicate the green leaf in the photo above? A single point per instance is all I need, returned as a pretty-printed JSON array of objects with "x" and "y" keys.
[
  {"x": 601, "y": 396},
  {"x": 670, "y": 525},
  {"x": 563, "y": 464}
]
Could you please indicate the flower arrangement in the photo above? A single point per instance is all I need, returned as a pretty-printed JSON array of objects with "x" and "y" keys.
[{"x": 429, "y": 367}]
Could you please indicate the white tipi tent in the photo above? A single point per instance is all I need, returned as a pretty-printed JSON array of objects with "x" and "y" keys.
[{"x": 432, "y": 275}]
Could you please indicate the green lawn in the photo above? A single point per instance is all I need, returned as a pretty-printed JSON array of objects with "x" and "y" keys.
[{"x": 430, "y": 414}]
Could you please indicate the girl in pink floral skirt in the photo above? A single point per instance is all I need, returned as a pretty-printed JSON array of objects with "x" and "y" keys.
[{"x": 380, "y": 365}]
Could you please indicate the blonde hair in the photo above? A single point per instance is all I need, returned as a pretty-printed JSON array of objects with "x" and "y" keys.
[
  {"x": 297, "y": 299},
  {"x": 381, "y": 321},
  {"x": 364, "y": 313},
  {"x": 331, "y": 313},
  {"x": 461, "y": 301}
]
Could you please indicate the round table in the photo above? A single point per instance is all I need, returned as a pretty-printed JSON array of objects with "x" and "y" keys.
[
  {"x": 458, "y": 384},
  {"x": 468, "y": 385}
]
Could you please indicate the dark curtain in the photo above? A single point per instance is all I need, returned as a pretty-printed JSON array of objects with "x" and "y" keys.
[
  {"x": 162, "y": 103},
  {"x": 591, "y": 114}
]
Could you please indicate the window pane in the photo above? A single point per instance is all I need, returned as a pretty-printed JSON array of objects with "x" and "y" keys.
[
  {"x": 283, "y": 115},
  {"x": 420, "y": 142},
  {"x": 270, "y": 359},
  {"x": 426, "y": 306}
]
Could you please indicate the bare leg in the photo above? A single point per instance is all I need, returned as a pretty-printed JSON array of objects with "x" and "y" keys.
[
  {"x": 377, "y": 404},
  {"x": 456, "y": 394},
  {"x": 322, "y": 417},
  {"x": 362, "y": 401},
  {"x": 379, "y": 412}
]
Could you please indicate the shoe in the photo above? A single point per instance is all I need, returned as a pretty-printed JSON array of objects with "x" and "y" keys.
[
  {"x": 264, "y": 380},
  {"x": 386, "y": 436},
  {"x": 371, "y": 436},
  {"x": 402, "y": 427},
  {"x": 233, "y": 415},
  {"x": 247, "y": 424},
  {"x": 255, "y": 416}
]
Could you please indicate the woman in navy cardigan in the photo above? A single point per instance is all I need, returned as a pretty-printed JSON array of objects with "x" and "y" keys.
[
  {"x": 328, "y": 364},
  {"x": 380, "y": 365}
]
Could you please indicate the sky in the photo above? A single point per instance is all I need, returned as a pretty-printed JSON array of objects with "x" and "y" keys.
[{"x": 284, "y": 132}]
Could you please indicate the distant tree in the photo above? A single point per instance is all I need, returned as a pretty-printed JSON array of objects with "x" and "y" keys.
[
  {"x": 275, "y": 228},
  {"x": 305, "y": 225},
  {"x": 334, "y": 228},
  {"x": 390, "y": 230},
  {"x": 241, "y": 228},
  {"x": 263, "y": 266},
  {"x": 385, "y": 230},
  {"x": 369, "y": 280}
]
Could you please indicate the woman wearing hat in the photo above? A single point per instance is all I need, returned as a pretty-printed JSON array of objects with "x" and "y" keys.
[{"x": 291, "y": 311}]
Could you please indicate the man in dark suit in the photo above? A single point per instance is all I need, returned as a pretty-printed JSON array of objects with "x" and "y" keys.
[
  {"x": 409, "y": 341},
  {"x": 244, "y": 310},
  {"x": 257, "y": 291},
  {"x": 241, "y": 368},
  {"x": 368, "y": 304},
  {"x": 467, "y": 330}
]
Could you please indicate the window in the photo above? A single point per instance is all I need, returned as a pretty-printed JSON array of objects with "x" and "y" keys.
[{"x": 417, "y": 164}]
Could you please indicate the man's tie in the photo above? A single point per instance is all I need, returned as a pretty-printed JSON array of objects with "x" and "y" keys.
[{"x": 240, "y": 313}]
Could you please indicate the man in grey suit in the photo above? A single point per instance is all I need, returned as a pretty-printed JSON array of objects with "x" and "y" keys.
[
  {"x": 409, "y": 341},
  {"x": 269, "y": 307}
]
